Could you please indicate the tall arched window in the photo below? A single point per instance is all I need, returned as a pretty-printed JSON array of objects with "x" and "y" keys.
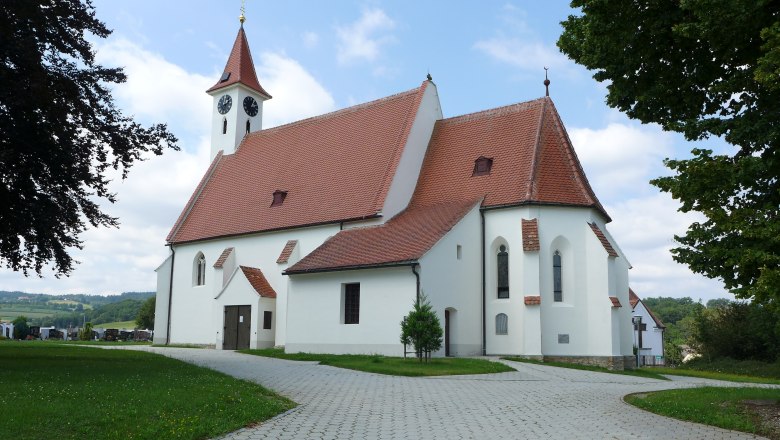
[
  {"x": 224, "y": 125},
  {"x": 247, "y": 125},
  {"x": 502, "y": 326},
  {"x": 200, "y": 270},
  {"x": 557, "y": 281},
  {"x": 502, "y": 265}
]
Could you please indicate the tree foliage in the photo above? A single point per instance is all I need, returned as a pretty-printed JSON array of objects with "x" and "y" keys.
[
  {"x": 60, "y": 132},
  {"x": 422, "y": 329},
  {"x": 741, "y": 331},
  {"x": 145, "y": 318},
  {"x": 85, "y": 334},
  {"x": 702, "y": 68},
  {"x": 21, "y": 329}
]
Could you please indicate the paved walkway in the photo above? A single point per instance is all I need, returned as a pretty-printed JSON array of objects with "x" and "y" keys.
[{"x": 535, "y": 402}]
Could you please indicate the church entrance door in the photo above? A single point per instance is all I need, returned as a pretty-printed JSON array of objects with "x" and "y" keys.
[
  {"x": 446, "y": 333},
  {"x": 236, "y": 327}
]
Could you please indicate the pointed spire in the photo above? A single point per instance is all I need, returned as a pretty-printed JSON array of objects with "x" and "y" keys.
[{"x": 240, "y": 68}]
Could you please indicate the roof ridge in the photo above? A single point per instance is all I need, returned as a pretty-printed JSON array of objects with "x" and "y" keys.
[
  {"x": 411, "y": 113},
  {"x": 531, "y": 191},
  {"x": 332, "y": 114},
  {"x": 511, "y": 108}
]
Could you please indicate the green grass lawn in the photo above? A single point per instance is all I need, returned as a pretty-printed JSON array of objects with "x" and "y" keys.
[
  {"x": 640, "y": 373},
  {"x": 722, "y": 407},
  {"x": 118, "y": 325},
  {"x": 70, "y": 392},
  {"x": 394, "y": 366},
  {"x": 711, "y": 375}
]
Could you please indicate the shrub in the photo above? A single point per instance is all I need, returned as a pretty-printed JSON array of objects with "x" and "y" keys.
[{"x": 422, "y": 329}]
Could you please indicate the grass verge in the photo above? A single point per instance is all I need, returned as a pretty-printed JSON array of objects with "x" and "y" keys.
[
  {"x": 70, "y": 392},
  {"x": 711, "y": 375},
  {"x": 728, "y": 408},
  {"x": 394, "y": 366},
  {"x": 639, "y": 373}
]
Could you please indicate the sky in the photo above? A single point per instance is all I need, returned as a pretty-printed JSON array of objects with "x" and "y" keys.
[{"x": 314, "y": 57}]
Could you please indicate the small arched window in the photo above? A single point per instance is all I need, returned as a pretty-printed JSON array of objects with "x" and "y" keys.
[
  {"x": 224, "y": 125},
  {"x": 502, "y": 326},
  {"x": 502, "y": 265},
  {"x": 247, "y": 126},
  {"x": 557, "y": 281},
  {"x": 200, "y": 270}
]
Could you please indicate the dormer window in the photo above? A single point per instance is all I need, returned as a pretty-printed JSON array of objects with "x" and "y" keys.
[
  {"x": 482, "y": 166},
  {"x": 279, "y": 197},
  {"x": 225, "y": 77}
]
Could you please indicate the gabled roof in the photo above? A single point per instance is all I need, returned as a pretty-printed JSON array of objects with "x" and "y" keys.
[
  {"x": 258, "y": 281},
  {"x": 634, "y": 300},
  {"x": 335, "y": 167},
  {"x": 404, "y": 239},
  {"x": 533, "y": 159},
  {"x": 603, "y": 239},
  {"x": 240, "y": 68}
]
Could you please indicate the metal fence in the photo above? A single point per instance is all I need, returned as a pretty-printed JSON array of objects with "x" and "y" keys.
[{"x": 651, "y": 360}]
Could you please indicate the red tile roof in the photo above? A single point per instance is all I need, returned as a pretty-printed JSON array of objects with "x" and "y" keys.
[
  {"x": 532, "y": 300},
  {"x": 634, "y": 299},
  {"x": 533, "y": 159},
  {"x": 287, "y": 251},
  {"x": 603, "y": 239},
  {"x": 240, "y": 67},
  {"x": 221, "y": 260},
  {"x": 259, "y": 283},
  {"x": 615, "y": 301},
  {"x": 530, "y": 235},
  {"x": 402, "y": 240},
  {"x": 334, "y": 167}
]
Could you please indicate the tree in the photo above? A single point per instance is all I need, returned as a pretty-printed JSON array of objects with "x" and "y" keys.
[
  {"x": 742, "y": 331},
  {"x": 21, "y": 329},
  {"x": 59, "y": 132},
  {"x": 86, "y": 333},
  {"x": 145, "y": 318},
  {"x": 702, "y": 68},
  {"x": 422, "y": 329}
]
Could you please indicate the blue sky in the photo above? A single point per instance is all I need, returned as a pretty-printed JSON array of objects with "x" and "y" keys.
[{"x": 314, "y": 57}]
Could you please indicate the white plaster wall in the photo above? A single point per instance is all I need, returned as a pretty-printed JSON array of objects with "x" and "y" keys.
[
  {"x": 456, "y": 284},
  {"x": 315, "y": 315},
  {"x": 236, "y": 119},
  {"x": 652, "y": 338},
  {"x": 408, "y": 170},
  {"x": 161, "y": 301},
  {"x": 599, "y": 307},
  {"x": 192, "y": 319}
]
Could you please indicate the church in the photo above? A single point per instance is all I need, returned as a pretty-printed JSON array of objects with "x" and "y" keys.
[{"x": 320, "y": 235}]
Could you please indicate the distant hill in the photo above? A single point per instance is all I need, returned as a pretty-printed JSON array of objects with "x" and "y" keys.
[
  {"x": 70, "y": 309},
  {"x": 94, "y": 300}
]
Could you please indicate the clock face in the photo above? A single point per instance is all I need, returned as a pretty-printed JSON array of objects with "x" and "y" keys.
[
  {"x": 250, "y": 106},
  {"x": 224, "y": 104}
]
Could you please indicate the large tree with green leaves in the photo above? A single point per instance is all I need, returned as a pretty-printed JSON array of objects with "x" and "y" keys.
[
  {"x": 703, "y": 68},
  {"x": 60, "y": 132}
]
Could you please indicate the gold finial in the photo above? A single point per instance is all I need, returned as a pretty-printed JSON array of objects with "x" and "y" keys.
[
  {"x": 546, "y": 83},
  {"x": 241, "y": 17}
]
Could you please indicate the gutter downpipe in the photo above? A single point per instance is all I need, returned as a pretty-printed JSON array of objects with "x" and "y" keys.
[
  {"x": 484, "y": 281},
  {"x": 417, "y": 275},
  {"x": 170, "y": 296}
]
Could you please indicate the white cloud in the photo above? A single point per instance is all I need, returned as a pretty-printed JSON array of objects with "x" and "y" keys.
[
  {"x": 296, "y": 93},
  {"x": 523, "y": 53},
  {"x": 310, "y": 39},
  {"x": 621, "y": 159},
  {"x": 363, "y": 38}
]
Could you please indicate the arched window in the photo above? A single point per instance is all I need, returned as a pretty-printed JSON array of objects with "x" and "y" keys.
[
  {"x": 502, "y": 265},
  {"x": 247, "y": 126},
  {"x": 200, "y": 270},
  {"x": 224, "y": 125},
  {"x": 501, "y": 324},
  {"x": 557, "y": 281}
]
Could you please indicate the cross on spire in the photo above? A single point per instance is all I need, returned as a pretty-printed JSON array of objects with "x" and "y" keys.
[{"x": 241, "y": 17}]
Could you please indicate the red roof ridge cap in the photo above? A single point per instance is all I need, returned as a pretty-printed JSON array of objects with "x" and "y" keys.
[
  {"x": 531, "y": 191},
  {"x": 194, "y": 197},
  {"x": 511, "y": 108}
]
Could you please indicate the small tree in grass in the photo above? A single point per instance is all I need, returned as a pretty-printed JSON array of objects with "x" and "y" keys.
[
  {"x": 21, "y": 329},
  {"x": 422, "y": 329},
  {"x": 86, "y": 333}
]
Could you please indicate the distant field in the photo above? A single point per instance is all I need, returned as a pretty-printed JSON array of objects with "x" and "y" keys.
[
  {"x": 9, "y": 312},
  {"x": 119, "y": 324}
]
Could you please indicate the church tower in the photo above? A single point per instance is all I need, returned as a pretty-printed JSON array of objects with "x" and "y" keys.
[{"x": 238, "y": 99}]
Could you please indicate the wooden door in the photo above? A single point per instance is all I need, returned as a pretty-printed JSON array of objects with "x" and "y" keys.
[
  {"x": 446, "y": 333},
  {"x": 237, "y": 325}
]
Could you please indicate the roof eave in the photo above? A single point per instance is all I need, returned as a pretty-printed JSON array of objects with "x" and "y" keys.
[{"x": 352, "y": 267}]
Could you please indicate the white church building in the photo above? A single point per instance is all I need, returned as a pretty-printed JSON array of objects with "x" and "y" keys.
[{"x": 319, "y": 235}]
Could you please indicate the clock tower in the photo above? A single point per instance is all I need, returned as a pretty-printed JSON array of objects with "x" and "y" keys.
[{"x": 238, "y": 99}]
